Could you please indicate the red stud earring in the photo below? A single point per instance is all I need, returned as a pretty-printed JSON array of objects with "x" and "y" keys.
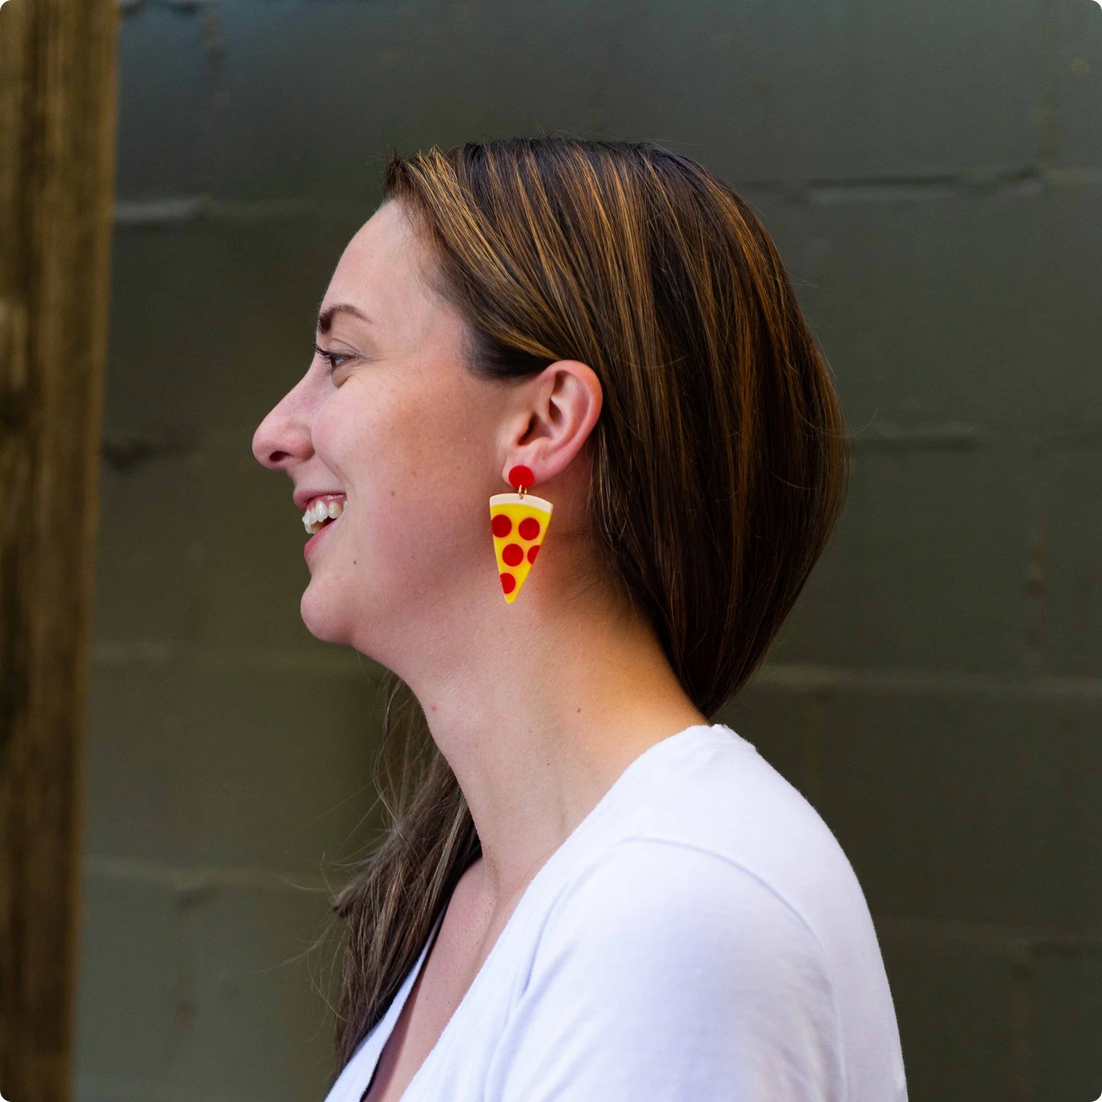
[{"x": 518, "y": 523}]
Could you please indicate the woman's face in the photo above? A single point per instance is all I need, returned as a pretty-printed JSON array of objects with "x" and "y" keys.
[{"x": 398, "y": 433}]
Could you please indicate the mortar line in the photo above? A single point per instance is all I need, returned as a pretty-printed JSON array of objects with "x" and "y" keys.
[
  {"x": 166, "y": 210},
  {"x": 811, "y": 677}
]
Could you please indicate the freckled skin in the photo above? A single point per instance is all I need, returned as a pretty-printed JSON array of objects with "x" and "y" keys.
[{"x": 407, "y": 433}]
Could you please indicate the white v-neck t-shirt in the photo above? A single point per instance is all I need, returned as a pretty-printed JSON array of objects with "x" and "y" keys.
[{"x": 699, "y": 937}]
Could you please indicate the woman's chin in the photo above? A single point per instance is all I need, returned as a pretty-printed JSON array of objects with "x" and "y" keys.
[{"x": 325, "y": 618}]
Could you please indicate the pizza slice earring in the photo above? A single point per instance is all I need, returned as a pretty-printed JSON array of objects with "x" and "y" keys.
[{"x": 518, "y": 523}]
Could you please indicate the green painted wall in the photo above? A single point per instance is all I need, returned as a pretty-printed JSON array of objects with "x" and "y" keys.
[{"x": 933, "y": 175}]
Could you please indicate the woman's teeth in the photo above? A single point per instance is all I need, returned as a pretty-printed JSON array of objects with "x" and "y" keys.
[{"x": 317, "y": 514}]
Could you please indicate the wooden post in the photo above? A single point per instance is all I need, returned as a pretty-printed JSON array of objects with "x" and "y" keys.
[{"x": 57, "y": 167}]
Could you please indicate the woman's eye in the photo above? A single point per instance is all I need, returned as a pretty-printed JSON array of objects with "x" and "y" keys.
[{"x": 331, "y": 358}]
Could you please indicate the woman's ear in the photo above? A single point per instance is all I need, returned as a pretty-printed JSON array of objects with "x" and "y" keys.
[{"x": 555, "y": 413}]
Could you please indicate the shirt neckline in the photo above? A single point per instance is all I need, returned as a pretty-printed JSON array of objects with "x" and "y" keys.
[
  {"x": 633, "y": 769},
  {"x": 360, "y": 1075}
]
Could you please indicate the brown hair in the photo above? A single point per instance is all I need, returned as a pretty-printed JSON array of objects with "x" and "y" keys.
[{"x": 719, "y": 462}]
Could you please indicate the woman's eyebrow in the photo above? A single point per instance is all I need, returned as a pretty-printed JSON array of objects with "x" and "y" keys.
[{"x": 325, "y": 318}]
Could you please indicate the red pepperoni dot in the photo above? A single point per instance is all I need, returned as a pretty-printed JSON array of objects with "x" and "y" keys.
[
  {"x": 501, "y": 525},
  {"x": 520, "y": 475},
  {"x": 508, "y": 583},
  {"x": 532, "y": 552},
  {"x": 512, "y": 555},
  {"x": 529, "y": 528}
]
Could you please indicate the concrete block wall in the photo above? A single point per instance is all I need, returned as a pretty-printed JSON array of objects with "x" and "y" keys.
[{"x": 933, "y": 176}]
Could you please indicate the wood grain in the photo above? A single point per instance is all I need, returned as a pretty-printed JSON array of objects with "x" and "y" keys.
[{"x": 57, "y": 163}]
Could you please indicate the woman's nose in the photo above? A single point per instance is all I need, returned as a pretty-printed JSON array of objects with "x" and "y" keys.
[{"x": 282, "y": 439}]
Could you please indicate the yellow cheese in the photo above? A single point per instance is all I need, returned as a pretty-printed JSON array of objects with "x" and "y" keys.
[{"x": 518, "y": 525}]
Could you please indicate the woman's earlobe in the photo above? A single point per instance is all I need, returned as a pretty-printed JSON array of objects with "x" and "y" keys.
[{"x": 561, "y": 407}]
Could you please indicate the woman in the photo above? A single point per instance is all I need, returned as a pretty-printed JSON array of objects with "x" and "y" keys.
[{"x": 588, "y": 891}]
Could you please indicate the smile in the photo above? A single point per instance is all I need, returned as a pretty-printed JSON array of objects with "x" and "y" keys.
[{"x": 321, "y": 511}]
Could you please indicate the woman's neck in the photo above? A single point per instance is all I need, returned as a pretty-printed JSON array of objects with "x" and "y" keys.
[{"x": 539, "y": 719}]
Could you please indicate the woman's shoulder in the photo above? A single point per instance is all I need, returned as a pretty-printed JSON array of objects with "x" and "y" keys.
[
  {"x": 708, "y": 905},
  {"x": 651, "y": 902},
  {"x": 668, "y": 968},
  {"x": 707, "y": 799},
  {"x": 704, "y": 846}
]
